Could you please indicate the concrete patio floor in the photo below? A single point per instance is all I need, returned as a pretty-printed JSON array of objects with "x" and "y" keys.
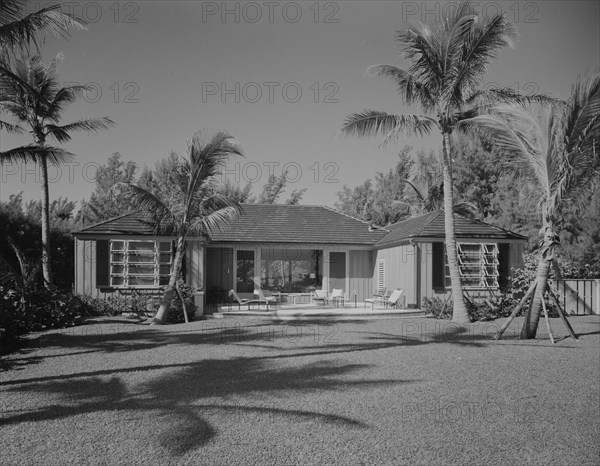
[{"x": 310, "y": 311}]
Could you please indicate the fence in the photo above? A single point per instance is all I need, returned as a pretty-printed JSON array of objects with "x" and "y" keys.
[{"x": 579, "y": 297}]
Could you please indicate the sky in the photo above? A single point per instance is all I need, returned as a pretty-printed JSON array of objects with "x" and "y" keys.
[{"x": 279, "y": 76}]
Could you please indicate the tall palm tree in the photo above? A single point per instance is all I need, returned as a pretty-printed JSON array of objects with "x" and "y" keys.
[
  {"x": 557, "y": 150},
  {"x": 19, "y": 30},
  {"x": 448, "y": 62},
  {"x": 192, "y": 204},
  {"x": 31, "y": 94}
]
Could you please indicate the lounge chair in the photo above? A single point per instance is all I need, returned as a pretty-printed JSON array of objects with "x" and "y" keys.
[
  {"x": 265, "y": 296},
  {"x": 380, "y": 292},
  {"x": 320, "y": 295},
  {"x": 337, "y": 296},
  {"x": 391, "y": 301},
  {"x": 243, "y": 301}
]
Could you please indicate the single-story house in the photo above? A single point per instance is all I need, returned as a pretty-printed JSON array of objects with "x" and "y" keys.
[{"x": 296, "y": 249}]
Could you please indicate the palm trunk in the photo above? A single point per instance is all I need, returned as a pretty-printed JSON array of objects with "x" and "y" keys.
[
  {"x": 532, "y": 318},
  {"x": 459, "y": 313},
  {"x": 46, "y": 255},
  {"x": 165, "y": 303}
]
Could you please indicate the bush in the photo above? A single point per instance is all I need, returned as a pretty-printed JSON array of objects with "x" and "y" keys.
[
  {"x": 38, "y": 309},
  {"x": 175, "y": 314}
]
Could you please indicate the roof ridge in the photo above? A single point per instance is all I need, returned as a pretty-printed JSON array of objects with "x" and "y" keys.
[
  {"x": 433, "y": 217},
  {"x": 353, "y": 218},
  {"x": 108, "y": 220},
  {"x": 490, "y": 225}
]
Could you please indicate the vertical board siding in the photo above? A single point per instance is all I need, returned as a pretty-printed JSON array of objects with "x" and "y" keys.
[
  {"x": 400, "y": 270},
  {"x": 361, "y": 274},
  {"x": 85, "y": 268},
  {"x": 195, "y": 258}
]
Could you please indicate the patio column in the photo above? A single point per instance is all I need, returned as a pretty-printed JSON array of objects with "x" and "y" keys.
[
  {"x": 257, "y": 271},
  {"x": 325, "y": 285}
]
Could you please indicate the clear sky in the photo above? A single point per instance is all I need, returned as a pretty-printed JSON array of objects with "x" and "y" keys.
[{"x": 280, "y": 76}]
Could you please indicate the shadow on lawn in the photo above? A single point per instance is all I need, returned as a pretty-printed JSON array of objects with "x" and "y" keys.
[
  {"x": 311, "y": 336},
  {"x": 178, "y": 396}
]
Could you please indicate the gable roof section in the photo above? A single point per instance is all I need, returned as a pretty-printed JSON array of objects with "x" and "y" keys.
[
  {"x": 262, "y": 223},
  {"x": 131, "y": 224},
  {"x": 281, "y": 223},
  {"x": 432, "y": 225}
]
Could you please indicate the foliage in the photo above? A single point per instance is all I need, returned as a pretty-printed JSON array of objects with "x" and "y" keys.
[
  {"x": 382, "y": 201},
  {"x": 108, "y": 200},
  {"x": 19, "y": 27},
  {"x": 22, "y": 224},
  {"x": 275, "y": 187},
  {"x": 175, "y": 314},
  {"x": 37, "y": 309}
]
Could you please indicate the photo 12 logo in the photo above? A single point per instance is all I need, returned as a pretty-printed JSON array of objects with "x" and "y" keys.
[
  {"x": 92, "y": 12},
  {"x": 253, "y": 172},
  {"x": 120, "y": 93},
  {"x": 269, "y": 92},
  {"x": 426, "y": 12},
  {"x": 270, "y": 12}
]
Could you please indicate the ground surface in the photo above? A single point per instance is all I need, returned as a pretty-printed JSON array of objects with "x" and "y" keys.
[{"x": 249, "y": 391}]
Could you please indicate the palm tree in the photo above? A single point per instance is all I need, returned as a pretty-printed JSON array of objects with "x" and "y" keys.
[
  {"x": 449, "y": 61},
  {"x": 18, "y": 30},
  {"x": 557, "y": 150},
  {"x": 31, "y": 94},
  {"x": 192, "y": 203}
]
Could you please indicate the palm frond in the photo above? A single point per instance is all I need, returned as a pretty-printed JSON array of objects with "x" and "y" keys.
[
  {"x": 92, "y": 125},
  {"x": 487, "y": 98},
  {"x": 517, "y": 136},
  {"x": 582, "y": 113},
  {"x": 217, "y": 212},
  {"x": 32, "y": 153},
  {"x": 421, "y": 45},
  {"x": 10, "y": 128},
  {"x": 18, "y": 31},
  {"x": 145, "y": 200},
  {"x": 407, "y": 85},
  {"x": 62, "y": 98},
  {"x": 373, "y": 123},
  {"x": 416, "y": 190},
  {"x": 481, "y": 44}
]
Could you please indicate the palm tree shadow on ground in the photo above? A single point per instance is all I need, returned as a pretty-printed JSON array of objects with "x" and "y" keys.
[{"x": 182, "y": 412}]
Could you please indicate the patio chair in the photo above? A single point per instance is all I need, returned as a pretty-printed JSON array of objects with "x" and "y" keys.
[
  {"x": 265, "y": 296},
  {"x": 337, "y": 296},
  {"x": 380, "y": 292},
  {"x": 243, "y": 301},
  {"x": 320, "y": 295},
  {"x": 391, "y": 301}
]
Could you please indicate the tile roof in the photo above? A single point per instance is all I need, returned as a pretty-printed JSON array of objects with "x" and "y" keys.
[
  {"x": 270, "y": 223},
  {"x": 431, "y": 225},
  {"x": 281, "y": 223},
  {"x": 127, "y": 224}
]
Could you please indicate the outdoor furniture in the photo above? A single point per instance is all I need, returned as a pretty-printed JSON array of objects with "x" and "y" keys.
[
  {"x": 265, "y": 296},
  {"x": 337, "y": 296},
  {"x": 244, "y": 301},
  {"x": 391, "y": 301},
  {"x": 300, "y": 298},
  {"x": 320, "y": 295},
  {"x": 380, "y": 292}
]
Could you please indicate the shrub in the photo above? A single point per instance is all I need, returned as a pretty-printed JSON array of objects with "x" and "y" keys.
[
  {"x": 22, "y": 312},
  {"x": 175, "y": 314}
]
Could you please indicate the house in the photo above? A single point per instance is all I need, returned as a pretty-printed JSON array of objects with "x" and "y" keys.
[{"x": 295, "y": 249}]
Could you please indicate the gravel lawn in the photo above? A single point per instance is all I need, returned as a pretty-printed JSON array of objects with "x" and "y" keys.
[{"x": 250, "y": 391}]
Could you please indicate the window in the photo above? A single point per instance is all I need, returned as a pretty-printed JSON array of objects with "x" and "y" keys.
[
  {"x": 478, "y": 265},
  {"x": 380, "y": 278},
  {"x": 291, "y": 270},
  {"x": 245, "y": 272},
  {"x": 140, "y": 264}
]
